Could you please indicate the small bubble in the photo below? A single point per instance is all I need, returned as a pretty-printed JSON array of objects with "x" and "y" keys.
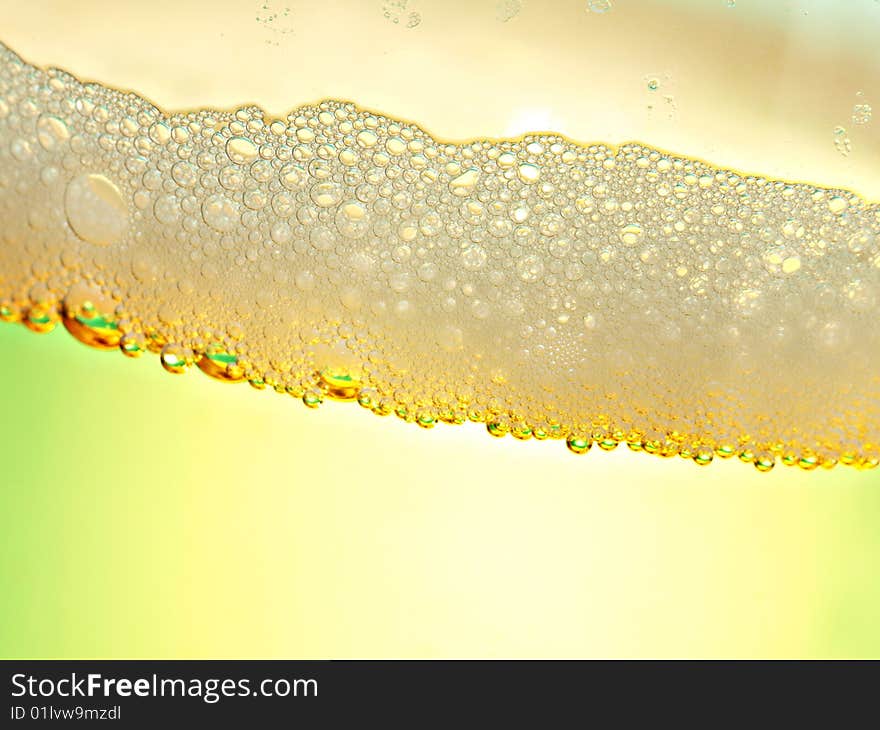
[
  {"x": 184, "y": 174},
  {"x": 51, "y": 132},
  {"x": 397, "y": 10},
  {"x": 366, "y": 138},
  {"x": 395, "y": 146},
  {"x": 352, "y": 220},
  {"x": 166, "y": 209},
  {"x": 326, "y": 194},
  {"x": 275, "y": 21},
  {"x": 862, "y": 113},
  {"x": 631, "y": 234},
  {"x": 507, "y": 10},
  {"x": 133, "y": 344},
  {"x": 221, "y": 213},
  {"x": 464, "y": 183},
  {"x": 837, "y": 204},
  {"x": 578, "y": 444},
  {"x": 529, "y": 173},
  {"x": 841, "y": 141},
  {"x": 473, "y": 257},
  {"x": 312, "y": 398},
  {"x": 530, "y": 268},
  {"x": 175, "y": 359}
]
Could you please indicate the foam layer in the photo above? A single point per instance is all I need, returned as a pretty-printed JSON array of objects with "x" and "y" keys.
[{"x": 590, "y": 293}]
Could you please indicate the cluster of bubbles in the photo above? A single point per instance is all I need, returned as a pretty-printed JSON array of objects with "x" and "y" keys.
[
  {"x": 276, "y": 20},
  {"x": 588, "y": 293},
  {"x": 599, "y": 6},
  {"x": 507, "y": 10},
  {"x": 396, "y": 12},
  {"x": 842, "y": 142},
  {"x": 862, "y": 111}
]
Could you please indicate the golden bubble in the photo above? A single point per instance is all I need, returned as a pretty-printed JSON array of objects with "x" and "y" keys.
[
  {"x": 220, "y": 365},
  {"x": 339, "y": 383},
  {"x": 88, "y": 315}
]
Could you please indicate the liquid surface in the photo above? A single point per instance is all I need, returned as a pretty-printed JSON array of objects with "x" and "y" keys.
[{"x": 548, "y": 289}]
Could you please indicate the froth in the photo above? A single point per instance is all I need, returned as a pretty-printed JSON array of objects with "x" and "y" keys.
[{"x": 591, "y": 293}]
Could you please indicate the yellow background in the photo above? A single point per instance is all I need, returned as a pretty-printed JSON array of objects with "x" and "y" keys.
[{"x": 145, "y": 515}]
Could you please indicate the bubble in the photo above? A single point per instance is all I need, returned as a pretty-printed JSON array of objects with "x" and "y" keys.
[
  {"x": 352, "y": 220},
  {"x": 703, "y": 456},
  {"x": 220, "y": 364},
  {"x": 312, "y": 398},
  {"x": 506, "y": 10},
  {"x": 95, "y": 209},
  {"x": 52, "y": 131},
  {"x": 241, "y": 150},
  {"x": 367, "y": 139},
  {"x": 841, "y": 141},
  {"x": 275, "y": 20},
  {"x": 396, "y": 11},
  {"x": 473, "y": 257},
  {"x": 529, "y": 173},
  {"x": 791, "y": 264},
  {"x": 506, "y": 160},
  {"x": 578, "y": 444},
  {"x": 837, "y": 204},
  {"x": 450, "y": 338},
  {"x": 293, "y": 176},
  {"x": 862, "y": 113},
  {"x": 166, "y": 209},
  {"x": 219, "y": 212},
  {"x": 133, "y": 344},
  {"x": 395, "y": 146},
  {"x": 465, "y": 183},
  {"x": 41, "y": 316},
  {"x": 530, "y": 268},
  {"x": 631, "y": 234},
  {"x": 543, "y": 288},
  {"x": 339, "y": 383},
  {"x": 861, "y": 241},
  {"x": 184, "y": 174},
  {"x": 326, "y": 194},
  {"x": 599, "y": 6},
  {"x": 175, "y": 358},
  {"x": 89, "y": 316}
]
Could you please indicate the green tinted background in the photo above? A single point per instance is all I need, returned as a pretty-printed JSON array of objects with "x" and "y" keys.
[
  {"x": 149, "y": 515},
  {"x": 146, "y": 515}
]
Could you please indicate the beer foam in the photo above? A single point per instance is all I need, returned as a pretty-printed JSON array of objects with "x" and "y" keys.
[{"x": 593, "y": 293}]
